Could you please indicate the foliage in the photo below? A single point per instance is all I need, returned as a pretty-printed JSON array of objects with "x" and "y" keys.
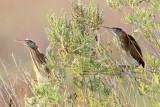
[
  {"x": 83, "y": 71},
  {"x": 144, "y": 15},
  {"x": 76, "y": 41}
]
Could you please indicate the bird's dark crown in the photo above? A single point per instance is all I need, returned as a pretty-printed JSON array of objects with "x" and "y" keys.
[
  {"x": 31, "y": 44},
  {"x": 114, "y": 29},
  {"x": 117, "y": 29},
  {"x": 29, "y": 41}
]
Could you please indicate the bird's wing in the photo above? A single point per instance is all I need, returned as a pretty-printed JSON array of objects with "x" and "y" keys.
[
  {"x": 41, "y": 57},
  {"x": 136, "y": 46},
  {"x": 44, "y": 59},
  {"x": 135, "y": 50},
  {"x": 131, "y": 38}
]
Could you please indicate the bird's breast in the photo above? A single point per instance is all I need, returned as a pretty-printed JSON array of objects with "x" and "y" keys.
[
  {"x": 128, "y": 58},
  {"x": 39, "y": 71}
]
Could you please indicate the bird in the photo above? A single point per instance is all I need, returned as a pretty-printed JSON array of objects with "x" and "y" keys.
[
  {"x": 128, "y": 47},
  {"x": 42, "y": 70}
]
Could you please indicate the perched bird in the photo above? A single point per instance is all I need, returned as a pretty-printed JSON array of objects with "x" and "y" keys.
[
  {"x": 39, "y": 60},
  {"x": 129, "y": 48}
]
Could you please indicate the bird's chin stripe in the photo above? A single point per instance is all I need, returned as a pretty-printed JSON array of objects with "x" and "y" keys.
[
  {"x": 29, "y": 48},
  {"x": 38, "y": 68},
  {"x": 115, "y": 34}
]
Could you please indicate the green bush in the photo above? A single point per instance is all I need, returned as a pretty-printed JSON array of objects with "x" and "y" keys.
[{"x": 83, "y": 72}]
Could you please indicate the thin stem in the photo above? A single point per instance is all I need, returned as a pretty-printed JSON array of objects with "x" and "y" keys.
[{"x": 85, "y": 91}]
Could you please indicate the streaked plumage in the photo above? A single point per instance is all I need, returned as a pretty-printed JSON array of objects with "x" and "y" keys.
[
  {"x": 39, "y": 60},
  {"x": 131, "y": 51}
]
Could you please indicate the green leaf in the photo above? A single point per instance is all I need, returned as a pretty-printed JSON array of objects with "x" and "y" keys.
[{"x": 105, "y": 69}]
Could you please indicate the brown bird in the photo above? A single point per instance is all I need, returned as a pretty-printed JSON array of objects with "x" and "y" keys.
[
  {"x": 129, "y": 48},
  {"x": 39, "y": 60}
]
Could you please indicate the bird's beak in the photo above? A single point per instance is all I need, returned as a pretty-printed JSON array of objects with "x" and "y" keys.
[
  {"x": 110, "y": 29},
  {"x": 107, "y": 29},
  {"x": 20, "y": 41}
]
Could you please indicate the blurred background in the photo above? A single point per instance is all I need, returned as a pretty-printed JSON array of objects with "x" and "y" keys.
[{"x": 21, "y": 19}]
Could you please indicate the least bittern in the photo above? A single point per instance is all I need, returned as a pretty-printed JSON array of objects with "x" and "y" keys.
[
  {"x": 39, "y": 60},
  {"x": 130, "y": 50}
]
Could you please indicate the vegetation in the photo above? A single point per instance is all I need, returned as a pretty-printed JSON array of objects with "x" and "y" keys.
[{"x": 84, "y": 73}]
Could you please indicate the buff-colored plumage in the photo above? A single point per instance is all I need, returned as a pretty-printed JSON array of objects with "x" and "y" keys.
[
  {"x": 130, "y": 50},
  {"x": 39, "y": 60}
]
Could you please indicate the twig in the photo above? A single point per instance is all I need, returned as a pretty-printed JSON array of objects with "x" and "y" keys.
[
  {"x": 110, "y": 83},
  {"x": 144, "y": 102},
  {"x": 5, "y": 84},
  {"x": 3, "y": 99},
  {"x": 126, "y": 99},
  {"x": 25, "y": 79},
  {"x": 135, "y": 76},
  {"x": 85, "y": 91},
  {"x": 135, "y": 96}
]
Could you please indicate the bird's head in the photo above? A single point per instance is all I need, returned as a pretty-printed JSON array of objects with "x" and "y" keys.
[
  {"x": 118, "y": 32},
  {"x": 29, "y": 43}
]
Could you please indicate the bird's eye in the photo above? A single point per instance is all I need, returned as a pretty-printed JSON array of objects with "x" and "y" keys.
[
  {"x": 115, "y": 30},
  {"x": 27, "y": 42}
]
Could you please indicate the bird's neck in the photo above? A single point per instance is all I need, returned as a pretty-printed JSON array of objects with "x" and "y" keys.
[
  {"x": 36, "y": 63},
  {"x": 122, "y": 40}
]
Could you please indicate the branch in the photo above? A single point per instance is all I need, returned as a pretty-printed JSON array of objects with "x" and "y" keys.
[{"x": 135, "y": 76}]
